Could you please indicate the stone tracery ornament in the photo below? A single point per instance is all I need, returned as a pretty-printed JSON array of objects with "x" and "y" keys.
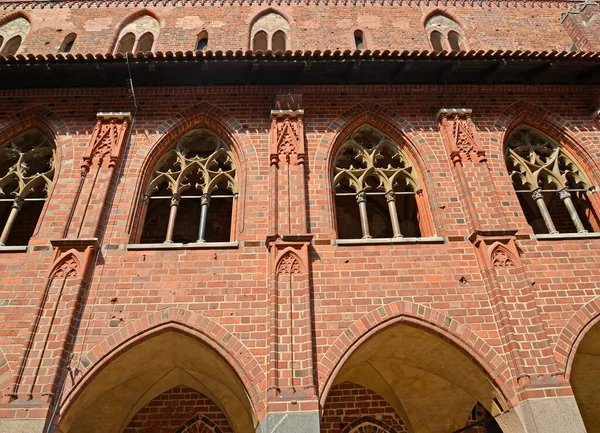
[
  {"x": 199, "y": 160},
  {"x": 289, "y": 264},
  {"x": 26, "y": 165},
  {"x": 367, "y": 155},
  {"x": 535, "y": 161},
  {"x": 461, "y": 134}
]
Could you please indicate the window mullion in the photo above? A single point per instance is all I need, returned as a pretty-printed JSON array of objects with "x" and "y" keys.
[
  {"x": 12, "y": 217},
  {"x": 361, "y": 198},
  {"x": 204, "y": 205},
  {"x": 391, "y": 202},
  {"x": 538, "y": 197},
  {"x": 175, "y": 200},
  {"x": 565, "y": 196}
]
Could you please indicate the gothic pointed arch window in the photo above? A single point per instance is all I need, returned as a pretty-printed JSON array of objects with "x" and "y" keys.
[
  {"x": 12, "y": 35},
  {"x": 192, "y": 192},
  {"x": 26, "y": 176},
  {"x": 552, "y": 188},
  {"x": 270, "y": 31},
  {"x": 445, "y": 34},
  {"x": 140, "y": 34},
  {"x": 375, "y": 187}
]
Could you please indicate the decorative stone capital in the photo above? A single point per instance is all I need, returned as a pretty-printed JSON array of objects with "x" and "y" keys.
[
  {"x": 536, "y": 194},
  {"x": 361, "y": 197},
  {"x": 205, "y": 200},
  {"x": 564, "y": 193},
  {"x": 18, "y": 203},
  {"x": 175, "y": 199},
  {"x": 460, "y": 135},
  {"x": 287, "y": 131},
  {"x": 106, "y": 145},
  {"x": 390, "y": 196}
]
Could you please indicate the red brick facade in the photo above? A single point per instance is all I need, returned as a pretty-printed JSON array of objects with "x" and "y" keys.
[{"x": 284, "y": 305}]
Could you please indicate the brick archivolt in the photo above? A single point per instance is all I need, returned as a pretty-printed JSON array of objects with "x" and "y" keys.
[{"x": 17, "y": 27}]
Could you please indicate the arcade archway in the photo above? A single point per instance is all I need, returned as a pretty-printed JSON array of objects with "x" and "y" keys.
[
  {"x": 433, "y": 386},
  {"x": 166, "y": 363}
]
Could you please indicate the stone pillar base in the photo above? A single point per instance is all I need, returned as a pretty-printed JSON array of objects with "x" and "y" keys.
[
  {"x": 290, "y": 422},
  {"x": 543, "y": 415},
  {"x": 22, "y": 425}
]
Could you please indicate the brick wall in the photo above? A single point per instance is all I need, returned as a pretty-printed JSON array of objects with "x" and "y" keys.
[
  {"x": 229, "y": 286},
  {"x": 350, "y": 405},
  {"x": 180, "y": 409},
  {"x": 487, "y": 26}
]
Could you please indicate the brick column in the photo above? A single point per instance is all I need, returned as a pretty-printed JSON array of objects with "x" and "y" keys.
[
  {"x": 522, "y": 332},
  {"x": 292, "y": 404},
  {"x": 43, "y": 366}
]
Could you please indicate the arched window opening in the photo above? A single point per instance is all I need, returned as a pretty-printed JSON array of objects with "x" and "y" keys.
[
  {"x": 126, "y": 44},
  {"x": 26, "y": 175},
  {"x": 202, "y": 43},
  {"x": 68, "y": 42},
  {"x": 192, "y": 192},
  {"x": 444, "y": 33},
  {"x": 12, "y": 34},
  {"x": 145, "y": 43},
  {"x": 260, "y": 41},
  {"x": 138, "y": 36},
  {"x": 12, "y": 46},
  {"x": 270, "y": 31},
  {"x": 436, "y": 41},
  {"x": 454, "y": 40},
  {"x": 278, "y": 41},
  {"x": 359, "y": 40},
  {"x": 375, "y": 186},
  {"x": 552, "y": 189}
]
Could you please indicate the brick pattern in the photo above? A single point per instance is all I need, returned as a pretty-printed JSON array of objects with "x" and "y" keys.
[
  {"x": 350, "y": 407},
  {"x": 504, "y": 25},
  {"x": 181, "y": 410},
  {"x": 221, "y": 296}
]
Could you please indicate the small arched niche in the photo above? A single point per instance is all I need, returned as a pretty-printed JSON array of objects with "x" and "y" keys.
[
  {"x": 202, "y": 42},
  {"x": 444, "y": 34},
  {"x": 12, "y": 35},
  {"x": 270, "y": 31},
  {"x": 359, "y": 40},
  {"x": 68, "y": 42},
  {"x": 140, "y": 35}
]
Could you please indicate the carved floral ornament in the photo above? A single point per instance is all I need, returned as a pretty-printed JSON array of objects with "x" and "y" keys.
[
  {"x": 200, "y": 160},
  {"x": 536, "y": 161},
  {"x": 370, "y": 160},
  {"x": 67, "y": 269},
  {"x": 26, "y": 165}
]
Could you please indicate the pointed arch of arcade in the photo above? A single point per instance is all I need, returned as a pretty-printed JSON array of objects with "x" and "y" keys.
[
  {"x": 186, "y": 329},
  {"x": 55, "y": 129},
  {"x": 398, "y": 129},
  {"x": 218, "y": 121},
  {"x": 422, "y": 317},
  {"x": 577, "y": 352}
]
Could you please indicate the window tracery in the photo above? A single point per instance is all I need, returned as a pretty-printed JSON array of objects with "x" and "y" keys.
[
  {"x": 12, "y": 34},
  {"x": 26, "y": 176},
  {"x": 552, "y": 189},
  {"x": 139, "y": 35},
  {"x": 445, "y": 34},
  {"x": 375, "y": 185},
  {"x": 270, "y": 32},
  {"x": 192, "y": 191}
]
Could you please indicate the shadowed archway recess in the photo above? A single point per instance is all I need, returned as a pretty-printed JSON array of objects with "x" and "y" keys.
[
  {"x": 585, "y": 378},
  {"x": 432, "y": 385},
  {"x": 122, "y": 388}
]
